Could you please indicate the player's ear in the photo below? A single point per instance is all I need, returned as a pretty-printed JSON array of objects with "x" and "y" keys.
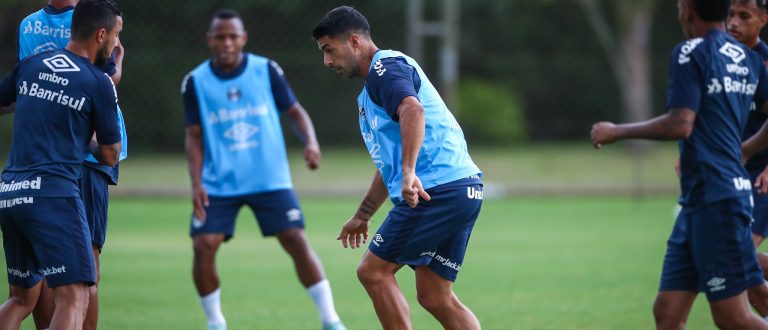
[
  {"x": 101, "y": 35},
  {"x": 354, "y": 40}
]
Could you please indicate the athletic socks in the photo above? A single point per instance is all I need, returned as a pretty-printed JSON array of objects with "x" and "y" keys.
[
  {"x": 320, "y": 293},
  {"x": 212, "y": 307}
]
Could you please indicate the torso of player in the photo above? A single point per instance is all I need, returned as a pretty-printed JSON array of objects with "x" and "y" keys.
[
  {"x": 57, "y": 94},
  {"x": 710, "y": 158},
  {"x": 443, "y": 157},
  {"x": 244, "y": 150},
  {"x": 756, "y": 119}
]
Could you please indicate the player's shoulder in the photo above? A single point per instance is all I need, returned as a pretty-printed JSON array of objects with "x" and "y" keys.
[
  {"x": 389, "y": 65},
  {"x": 31, "y": 17},
  {"x": 688, "y": 50}
]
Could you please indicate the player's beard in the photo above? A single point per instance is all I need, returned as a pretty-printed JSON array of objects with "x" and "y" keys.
[{"x": 102, "y": 56}]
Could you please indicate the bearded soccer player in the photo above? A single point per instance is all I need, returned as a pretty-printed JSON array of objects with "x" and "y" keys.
[
  {"x": 423, "y": 167},
  {"x": 237, "y": 157},
  {"x": 61, "y": 98},
  {"x": 46, "y": 29},
  {"x": 714, "y": 80}
]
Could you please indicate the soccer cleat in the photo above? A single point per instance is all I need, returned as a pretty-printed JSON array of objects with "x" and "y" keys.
[
  {"x": 334, "y": 326},
  {"x": 217, "y": 326}
]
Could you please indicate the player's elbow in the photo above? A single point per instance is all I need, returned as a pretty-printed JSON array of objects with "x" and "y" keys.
[
  {"x": 682, "y": 132},
  {"x": 110, "y": 153}
]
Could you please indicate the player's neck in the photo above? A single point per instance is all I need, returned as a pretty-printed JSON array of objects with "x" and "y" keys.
[
  {"x": 369, "y": 51},
  {"x": 753, "y": 43},
  {"x": 82, "y": 50},
  {"x": 226, "y": 68},
  {"x": 701, "y": 28}
]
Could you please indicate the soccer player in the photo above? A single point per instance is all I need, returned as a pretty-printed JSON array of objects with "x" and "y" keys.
[
  {"x": 713, "y": 81},
  {"x": 46, "y": 29},
  {"x": 422, "y": 166},
  {"x": 237, "y": 157},
  {"x": 61, "y": 99}
]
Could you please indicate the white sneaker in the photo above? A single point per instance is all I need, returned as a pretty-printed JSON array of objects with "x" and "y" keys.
[
  {"x": 334, "y": 326},
  {"x": 217, "y": 326}
]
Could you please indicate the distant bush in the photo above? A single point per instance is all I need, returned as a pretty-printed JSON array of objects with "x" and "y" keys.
[{"x": 490, "y": 112}]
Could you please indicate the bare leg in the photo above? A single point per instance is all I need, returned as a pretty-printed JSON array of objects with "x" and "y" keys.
[
  {"x": 43, "y": 312},
  {"x": 734, "y": 313},
  {"x": 378, "y": 278},
  {"x": 308, "y": 266},
  {"x": 71, "y": 305},
  {"x": 204, "y": 264},
  {"x": 19, "y": 305},
  {"x": 436, "y": 295},
  {"x": 671, "y": 309},
  {"x": 92, "y": 317}
]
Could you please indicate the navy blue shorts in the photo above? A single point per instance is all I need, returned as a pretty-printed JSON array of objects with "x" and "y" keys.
[
  {"x": 275, "y": 212},
  {"x": 94, "y": 190},
  {"x": 46, "y": 236},
  {"x": 710, "y": 250},
  {"x": 760, "y": 210},
  {"x": 435, "y": 233}
]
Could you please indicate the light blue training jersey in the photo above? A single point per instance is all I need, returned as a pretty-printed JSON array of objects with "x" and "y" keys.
[
  {"x": 48, "y": 29},
  {"x": 443, "y": 157},
  {"x": 244, "y": 151}
]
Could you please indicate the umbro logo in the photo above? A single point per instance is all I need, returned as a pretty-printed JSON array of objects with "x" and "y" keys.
[
  {"x": 716, "y": 284},
  {"x": 377, "y": 239},
  {"x": 61, "y": 63},
  {"x": 736, "y": 53},
  {"x": 293, "y": 214},
  {"x": 233, "y": 94}
]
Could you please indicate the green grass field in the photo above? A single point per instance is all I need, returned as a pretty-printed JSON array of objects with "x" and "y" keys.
[{"x": 533, "y": 263}]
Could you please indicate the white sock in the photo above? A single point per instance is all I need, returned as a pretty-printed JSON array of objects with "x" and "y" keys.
[
  {"x": 320, "y": 293},
  {"x": 212, "y": 307}
]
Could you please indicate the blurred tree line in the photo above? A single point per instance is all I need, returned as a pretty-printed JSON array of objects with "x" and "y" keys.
[{"x": 530, "y": 70}]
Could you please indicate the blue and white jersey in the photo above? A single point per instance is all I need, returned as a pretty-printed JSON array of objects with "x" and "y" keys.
[
  {"x": 61, "y": 99},
  {"x": 48, "y": 29},
  {"x": 718, "y": 78},
  {"x": 757, "y": 117},
  {"x": 443, "y": 157},
  {"x": 244, "y": 151}
]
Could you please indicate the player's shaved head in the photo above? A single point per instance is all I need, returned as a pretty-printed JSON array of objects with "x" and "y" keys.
[
  {"x": 226, "y": 14},
  {"x": 342, "y": 21},
  {"x": 90, "y": 16},
  {"x": 711, "y": 10}
]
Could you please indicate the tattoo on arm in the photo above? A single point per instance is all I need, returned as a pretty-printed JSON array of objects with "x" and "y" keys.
[{"x": 367, "y": 207}]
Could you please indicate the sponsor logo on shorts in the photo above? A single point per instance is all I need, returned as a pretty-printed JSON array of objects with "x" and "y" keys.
[
  {"x": 18, "y": 273},
  {"x": 293, "y": 214},
  {"x": 21, "y": 185},
  {"x": 473, "y": 193},
  {"x": 197, "y": 223},
  {"x": 377, "y": 239},
  {"x": 54, "y": 270},
  {"x": 443, "y": 260},
  {"x": 716, "y": 284},
  {"x": 6, "y": 203}
]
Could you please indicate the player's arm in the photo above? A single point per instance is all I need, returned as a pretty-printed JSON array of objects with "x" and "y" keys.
[
  {"x": 412, "y": 123},
  {"x": 676, "y": 124},
  {"x": 118, "y": 54},
  {"x": 355, "y": 231},
  {"x": 758, "y": 141},
  {"x": 105, "y": 123},
  {"x": 301, "y": 123},
  {"x": 193, "y": 144}
]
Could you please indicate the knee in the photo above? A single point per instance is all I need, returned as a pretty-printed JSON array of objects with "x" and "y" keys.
[
  {"x": 666, "y": 319},
  {"x": 27, "y": 304},
  {"x": 369, "y": 275},
  {"x": 74, "y": 295},
  {"x": 433, "y": 301},
  {"x": 292, "y": 240},
  {"x": 204, "y": 248},
  {"x": 732, "y": 320}
]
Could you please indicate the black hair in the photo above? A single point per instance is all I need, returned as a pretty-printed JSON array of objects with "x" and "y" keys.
[
  {"x": 225, "y": 14},
  {"x": 93, "y": 15},
  {"x": 712, "y": 10},
  {"x": 761, "y": 4},
  {"x": 341, "y": 20}
]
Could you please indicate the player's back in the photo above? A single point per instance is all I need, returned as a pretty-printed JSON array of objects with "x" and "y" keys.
[
  {"x": 43, "y": 30},
  {"x": 724, "y": 74},
  {"x": 60, "y": 98}
]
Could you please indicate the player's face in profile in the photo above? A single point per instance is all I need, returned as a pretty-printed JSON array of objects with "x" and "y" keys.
[
  {"x": 745, "y": 20},
  {"x": 683, "y": 13},
  {"x": 338, "y": 55},
  {"x": 109, "y": 43},
  {"x": 227, "y": 37}
]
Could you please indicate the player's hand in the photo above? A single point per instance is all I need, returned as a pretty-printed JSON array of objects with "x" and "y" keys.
[
  {"x": 312, "y": 155},
  {"x": 354, "y": 233},
  {"x": 119, "y": 51},
  {"x": 603, "y": 133},
  {"x": 761, "y": 182},
  {"x": 412, "y": 189},
  {"x": 200, "y": 202}
]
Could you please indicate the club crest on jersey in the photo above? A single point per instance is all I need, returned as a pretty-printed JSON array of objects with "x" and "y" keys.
[
  {"x": 736, "y": 53},
  {"x": 361, "y": 112},
  {"x": 61, "y": 63},
  {"x": 233, "y": 94}
]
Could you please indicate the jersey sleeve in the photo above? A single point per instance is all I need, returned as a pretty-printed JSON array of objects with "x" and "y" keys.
[
  {"x": 189, "y": 98},
  {"x": 8, "y": 88},
  {"x": 686, "y": 78},
  {"x": 761, "y": 93},
  {"x": 390, "y": 81},
  {"x": 281, "y": 90},
  {"x": 109, "y": 67},
  {"x": 105, "y": 121}
]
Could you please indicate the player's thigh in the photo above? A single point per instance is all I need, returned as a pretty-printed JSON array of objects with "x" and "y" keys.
[
  {"x": 679, "y": 271},
  {"x": 723, "y": 250},
  {"x": 21, "y": 262},
  {"x": 221, "y": 214},
  {"x": 276, "y": 211}
]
